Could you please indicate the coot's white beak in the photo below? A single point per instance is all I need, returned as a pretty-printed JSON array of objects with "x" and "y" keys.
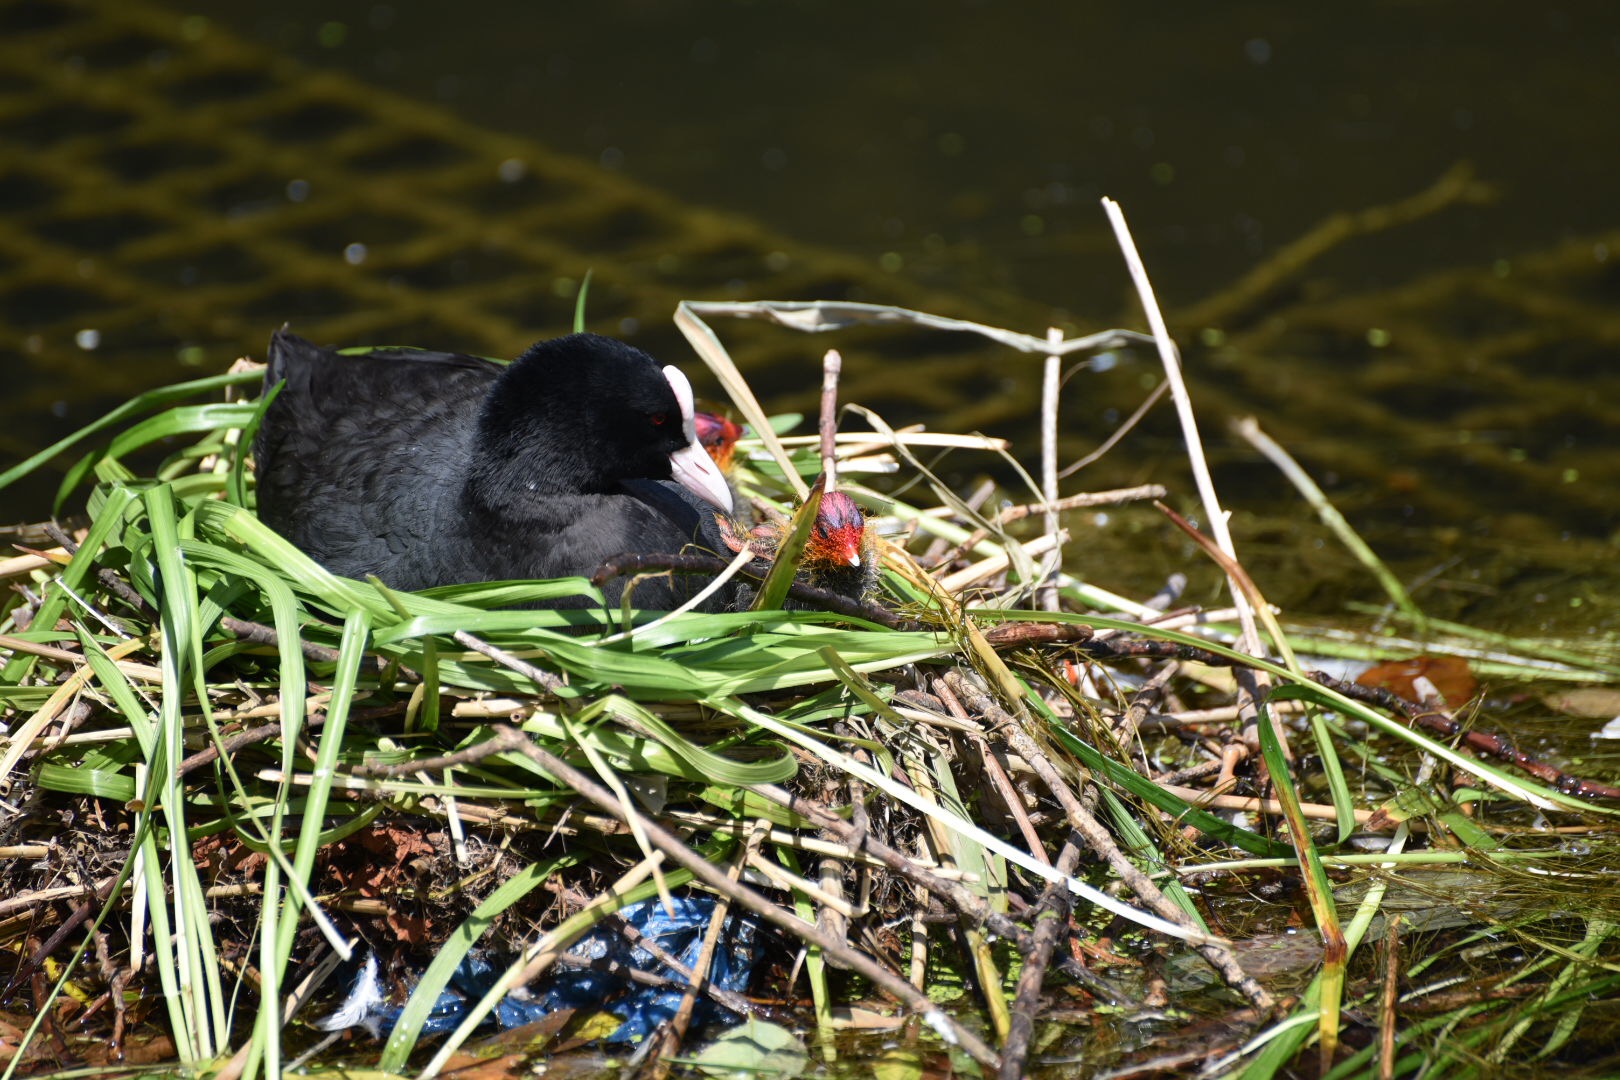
[{"x": 691, "y": 466}]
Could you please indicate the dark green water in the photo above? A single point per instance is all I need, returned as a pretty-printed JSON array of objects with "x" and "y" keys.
[{"x": 1451, "y": 380}]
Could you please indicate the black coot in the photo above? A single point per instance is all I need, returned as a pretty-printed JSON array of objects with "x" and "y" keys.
[{"x": 429, "y": 468}]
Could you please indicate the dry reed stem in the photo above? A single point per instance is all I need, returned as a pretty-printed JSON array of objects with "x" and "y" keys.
[
  {"x": 1250, "y": 684},
  {"x": 1206, "y": 800},
  {"x": 831, "y": 365},
  {"x": 18, "y": 565},
  {"x": 997, "y": 564},
  {"x": 1046, "y": 597}
]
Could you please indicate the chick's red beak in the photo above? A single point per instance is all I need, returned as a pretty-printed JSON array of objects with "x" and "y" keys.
[{"x": 843, "y": 545}]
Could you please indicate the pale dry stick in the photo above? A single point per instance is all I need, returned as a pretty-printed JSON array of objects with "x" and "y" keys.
[
  {"x": 870, "y": 465},
  {"x": 1251, "y": 685},
  {"x": 1225, "y": 714},
  {"x": 143, "y": 672},
  {"x": 545, "y": 680},
  {"x": 23, "y": 739},
  {"x": 1171, "y": 360},
  {"x": 1046, "y": 597},
  {"x": 1176, "y": 620},
  {"x": 1113, "y": 497},
  {"x": 1098, "y": 839},
  {"x": 42, "y": 896},
  {"x": 1204, "y": 800},
  {"x": 853, "y": 443},
  {"x": 1011, "y": 514},
  {"x": 831, "y": 365},
  {"x": 27, "y": 851},
  {"x": 18, "y": 565},
  {"x": 996, "y": 564},
  {"x": 779, "y": 877}
]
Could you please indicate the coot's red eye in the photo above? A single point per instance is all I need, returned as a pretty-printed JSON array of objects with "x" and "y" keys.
[{"x": 658, "y": 419}]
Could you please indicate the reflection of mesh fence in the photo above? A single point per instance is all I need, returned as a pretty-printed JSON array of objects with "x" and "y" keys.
[
  {"x": 171, "y": 188},
  {"x": 1488, "y": 398},
  {"x": 181, "y": 193}
]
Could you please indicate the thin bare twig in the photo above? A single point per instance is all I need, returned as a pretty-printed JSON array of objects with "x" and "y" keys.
[
  {"x": 831, "y": 365},
  {"x": 1046, "y": 596},
  {"x": 545, "y": 680}
]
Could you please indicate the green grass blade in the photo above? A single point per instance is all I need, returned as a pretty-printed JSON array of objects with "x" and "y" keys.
[
  {"x": 1318, "y": 889},
  {"x": 152, "y": 399},
  {"x": 184, "y": 419},
  {"x": 786, "y": 562},
  {"x": 579, "y": 302},
  {"x": 236, "y": 488}
]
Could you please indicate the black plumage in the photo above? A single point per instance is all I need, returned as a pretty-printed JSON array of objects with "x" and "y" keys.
[{"x": 429, "y": 468}]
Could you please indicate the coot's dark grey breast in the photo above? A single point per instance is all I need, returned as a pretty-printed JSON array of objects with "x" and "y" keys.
[{"x": 429, "y": 468}]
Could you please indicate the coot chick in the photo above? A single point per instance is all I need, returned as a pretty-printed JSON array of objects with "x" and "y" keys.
[
  {"x": 430, "y": 468},
  {"x": 839, "y": 555},
  {"x": 718, "y": 436}
]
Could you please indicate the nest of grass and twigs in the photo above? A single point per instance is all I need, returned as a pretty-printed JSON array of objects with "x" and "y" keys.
[{"x": 996, "y": 780}]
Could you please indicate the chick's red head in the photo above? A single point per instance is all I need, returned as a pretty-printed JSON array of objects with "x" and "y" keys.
[
  {"x": 839, "y": 536},
  {"x": 718, "y": 436}
]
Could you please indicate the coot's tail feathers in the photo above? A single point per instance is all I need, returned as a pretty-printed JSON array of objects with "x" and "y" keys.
[{"x": 286, "y": 349}]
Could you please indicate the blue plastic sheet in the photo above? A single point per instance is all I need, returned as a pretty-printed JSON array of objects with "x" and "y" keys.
[{"x": 641, "y": 1008}]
